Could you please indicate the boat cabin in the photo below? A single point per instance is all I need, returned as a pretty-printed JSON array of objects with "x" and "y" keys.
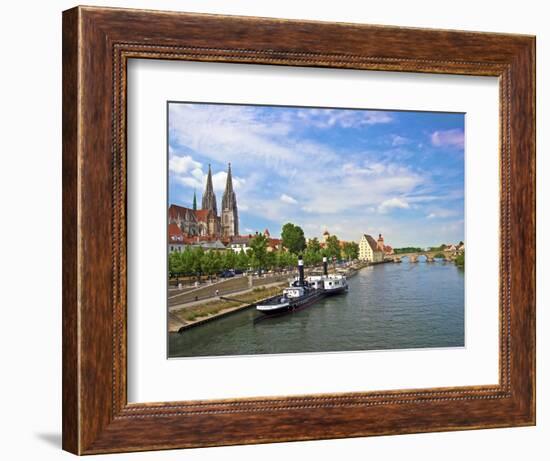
[{"x": 294, "y": 292}]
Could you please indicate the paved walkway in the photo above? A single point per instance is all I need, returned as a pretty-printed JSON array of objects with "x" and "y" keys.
[{"x": 212, "y": 298}]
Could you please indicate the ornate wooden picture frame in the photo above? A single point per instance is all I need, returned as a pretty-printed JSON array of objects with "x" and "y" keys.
[{"x": 97, "y": 44}]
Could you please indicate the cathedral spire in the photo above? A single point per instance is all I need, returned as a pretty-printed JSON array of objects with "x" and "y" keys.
[
  {"x": 229, "y": 200},
  {"x": 230, "y": 217},
  {"x": 194, "y": 199},
  {"x": 209, "y": 197},
  {"x": 228, "y": 186}
]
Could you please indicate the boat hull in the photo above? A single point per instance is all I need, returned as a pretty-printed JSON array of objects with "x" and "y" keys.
[
  {"x": 269, "y": 309},
  {"x": 336, "y": 291},
  {"x": 292, "y": 306}
]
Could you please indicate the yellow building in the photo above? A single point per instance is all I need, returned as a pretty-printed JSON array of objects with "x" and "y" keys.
[{"x": 369, "y": 251}]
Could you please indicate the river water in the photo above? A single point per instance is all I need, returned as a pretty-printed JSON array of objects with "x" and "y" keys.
[{"x": 388, "y": 306}]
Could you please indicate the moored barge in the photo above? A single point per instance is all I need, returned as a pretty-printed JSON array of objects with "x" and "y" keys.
[{"x": 302, "y": 293}]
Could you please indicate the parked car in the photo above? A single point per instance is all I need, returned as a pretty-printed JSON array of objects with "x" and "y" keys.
[{"x": 227, "y": 274}]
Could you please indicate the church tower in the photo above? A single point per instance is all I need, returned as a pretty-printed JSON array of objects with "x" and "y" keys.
[
  {"x": 380, "y": 243},
  {"x": 209, "y": 197},
  {"x": 209, "y": 204},
  {"x": 230, "y": 216}
]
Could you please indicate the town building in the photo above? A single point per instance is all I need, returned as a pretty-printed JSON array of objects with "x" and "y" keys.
[
  {"x": 369, "y": 250},
  {"x": 175, "y": 238},
  {"x": 216, "y": 245},
  {"x": 380, "y": 243},
  {"x": 386, "y": 249},
  {"x": 273, "y": 244},
  {"x": 240, "y": 243},
  {"x": 206, "y": 223}
]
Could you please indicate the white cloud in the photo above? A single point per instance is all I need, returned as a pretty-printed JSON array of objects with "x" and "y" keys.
[
  {"x": 183, "y": 164},
  {"x": 355, "y": 187},
  {"x": 288, "y": 199},
  {"x": 441, "y": 213},
  {"x": 219, "y": 181},
  {"x": 392, "y": 203},
  {"x": 189, "y": 172},
  {"x": 348, "y": 193},
  {"x": 224, "y": 133},
  {"x": 329, "y": 118},
  {"x": 448, "y": 138},
  {"x": 397, "y": 140}
]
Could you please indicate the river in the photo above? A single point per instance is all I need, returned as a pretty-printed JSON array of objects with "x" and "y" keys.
[{"x": 388, "y": 306}]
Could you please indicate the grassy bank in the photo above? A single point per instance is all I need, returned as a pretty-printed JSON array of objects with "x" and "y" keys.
[{"x": 191, "y": 314}]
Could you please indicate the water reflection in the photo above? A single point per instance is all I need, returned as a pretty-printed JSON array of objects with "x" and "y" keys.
[{"x": 389, "y": 306}]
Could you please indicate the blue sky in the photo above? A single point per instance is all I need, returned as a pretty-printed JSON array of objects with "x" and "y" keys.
[{"x": 345, "y": 170}]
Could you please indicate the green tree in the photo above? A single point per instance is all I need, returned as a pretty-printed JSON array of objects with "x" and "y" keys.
[
  {"x": 350, "y": 250},
  {"x": 333, "y": 247},
  {"x": 270, "y": 260},
  {"x": 229, "y": 260},
  {"x": 217, "y": 261},
  {"x": 187, "y": 261},
  {"x": 314, "y": 246},
  {"x": 438, "y": 248},
  {"x": 460, "y": 260},
  {"x": 174, "y": 263},
  {"x": 242, "y": 261},
  {"x": 208, "y": 263},
  {"x": 407, "y": 250},
  {"x": 311, "y": 258},
  {"x": 286, "y": 260},
  {"x": 258, "y": 247},
  {"x": 280, "y": 259},
  {"x": 197, "y": 262},
  {"x": 293, "y": 238}
]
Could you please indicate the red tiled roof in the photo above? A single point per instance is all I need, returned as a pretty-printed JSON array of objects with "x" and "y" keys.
[
  {"x": 202, "y": 215},
  {"x": 240, "y": 239},
  {"x": 372, "y": 243},
  {"x": 175, "y": 210},
  {"x": 175, "y": 235}
]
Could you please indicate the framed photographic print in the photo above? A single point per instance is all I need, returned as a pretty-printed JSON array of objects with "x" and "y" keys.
[{"x": 265, "y": 228}]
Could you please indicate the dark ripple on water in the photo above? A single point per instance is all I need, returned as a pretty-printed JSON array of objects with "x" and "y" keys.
[{"x": 389, "y": 306}]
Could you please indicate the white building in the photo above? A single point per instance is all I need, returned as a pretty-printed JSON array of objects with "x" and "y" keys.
[
  {"x": 369, "y": 251},
  {"x": 240, "y": 243},
  {"x": 176, "y": 240}
]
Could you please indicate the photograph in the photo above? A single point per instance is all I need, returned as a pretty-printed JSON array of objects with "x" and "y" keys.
[{"x": 313, "y": 229}]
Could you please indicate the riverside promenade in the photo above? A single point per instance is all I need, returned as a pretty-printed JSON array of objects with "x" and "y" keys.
[
  {"x": 192, "y": 307},
  {"x": 223, "y": 287}
]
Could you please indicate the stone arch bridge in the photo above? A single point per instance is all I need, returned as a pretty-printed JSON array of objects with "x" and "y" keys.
[{"x": 413, "y": 257}]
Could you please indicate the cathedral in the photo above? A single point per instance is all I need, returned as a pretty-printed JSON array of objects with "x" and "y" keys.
[{"x": 206, "y": 222}]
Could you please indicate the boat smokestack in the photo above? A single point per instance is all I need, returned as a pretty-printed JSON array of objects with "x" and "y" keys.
[
  {"x": 325, "y": 266},
  {"x": 301, "y": 270}
]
